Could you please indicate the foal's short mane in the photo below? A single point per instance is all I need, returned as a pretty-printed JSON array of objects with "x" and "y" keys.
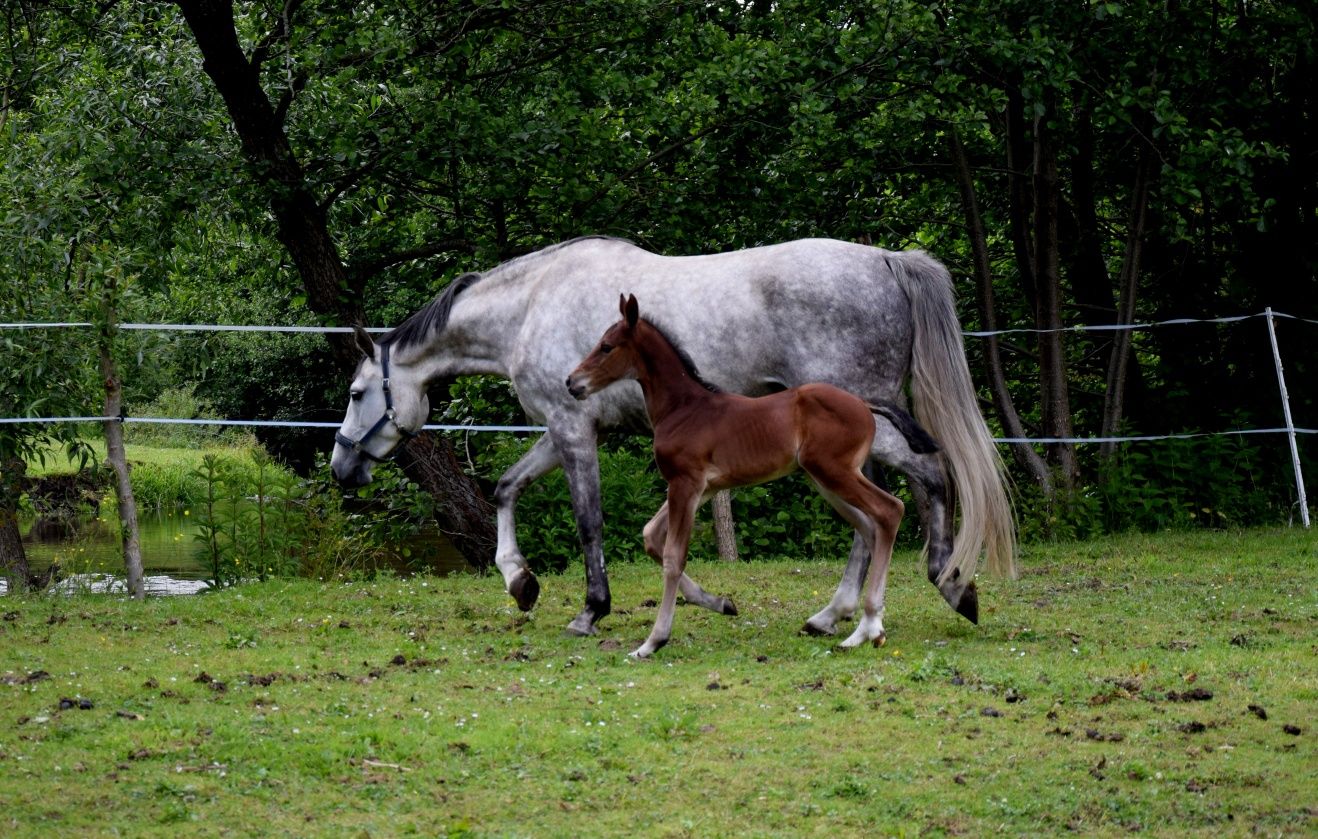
[
  {"x": 687, "y": 363},
  {"x": 430, "y": 318}
]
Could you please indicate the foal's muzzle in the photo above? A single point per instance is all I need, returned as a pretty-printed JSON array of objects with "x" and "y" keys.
[{"x": 578, "y": 389}]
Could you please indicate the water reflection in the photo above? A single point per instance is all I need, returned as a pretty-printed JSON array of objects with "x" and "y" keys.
[{"x": 91, "y": 560}]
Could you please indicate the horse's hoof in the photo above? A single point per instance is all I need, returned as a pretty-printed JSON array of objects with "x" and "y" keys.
[
  {"x": 525, "y": 589},
  {"x": 729, "y": 608},
  {"x": 968, "y": 606}
]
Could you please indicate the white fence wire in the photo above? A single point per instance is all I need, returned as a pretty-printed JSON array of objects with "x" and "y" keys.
[{"x": 1290, "y": 429}]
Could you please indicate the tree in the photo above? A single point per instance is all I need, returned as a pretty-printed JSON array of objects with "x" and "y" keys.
[{"x": 302, "y": 223}]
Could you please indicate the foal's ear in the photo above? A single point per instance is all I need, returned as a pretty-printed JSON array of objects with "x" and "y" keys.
[
  {"x": 363, "y": 340},
  {"x": 631, "y": 311}
]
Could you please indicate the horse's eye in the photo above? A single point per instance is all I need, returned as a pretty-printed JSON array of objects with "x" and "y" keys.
[
  {"x": 605, "y": 349},
  {"x": 356, "y": 395}
]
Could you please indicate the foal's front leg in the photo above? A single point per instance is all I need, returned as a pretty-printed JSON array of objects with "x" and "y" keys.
[
  {"x": 655, "y": 534},
  {"x": 683, "y": 499}
]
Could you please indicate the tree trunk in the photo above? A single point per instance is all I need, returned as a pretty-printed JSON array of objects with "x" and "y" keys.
[
  {"x": 303, "y": 229},
  {"x": 1020, "y": 197},
  {"x": 1054, "y": 394},
  {"x": 13, "y": 559},
  {"x": 464, "y": 516},
  {"x": 725, "y": 532},
  {"x": 1026, "y": 457},
  {"x": 1113, "y": 405},
  {"x": 114, "y": 448},
  {"x": 123, "y": 488}
]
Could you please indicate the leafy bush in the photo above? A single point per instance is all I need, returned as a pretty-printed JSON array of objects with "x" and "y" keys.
[{"x": 181, "y": 402}]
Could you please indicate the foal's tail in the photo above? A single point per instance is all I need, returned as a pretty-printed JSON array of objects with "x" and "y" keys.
[{"x": 946, "y": 405}]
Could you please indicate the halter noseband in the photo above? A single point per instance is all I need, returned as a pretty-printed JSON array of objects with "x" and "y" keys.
[{"x": 359, "y": 445}]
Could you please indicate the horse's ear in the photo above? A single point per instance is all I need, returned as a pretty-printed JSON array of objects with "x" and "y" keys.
[
  {"x": 631, "y": 311},
  {"x": 622, "y": 304},
  {"x": 364, "y": 342}
]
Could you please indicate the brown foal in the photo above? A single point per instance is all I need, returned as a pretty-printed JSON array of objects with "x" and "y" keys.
[{"x": 706, "y": 440}]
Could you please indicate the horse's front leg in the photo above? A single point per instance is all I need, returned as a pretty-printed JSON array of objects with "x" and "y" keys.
[
  {"x": 655, "y": 534},
  {"x": 683, "y": 499},
  {"x": 576, "y": 450},
  {"x": 518, "y": 580}
]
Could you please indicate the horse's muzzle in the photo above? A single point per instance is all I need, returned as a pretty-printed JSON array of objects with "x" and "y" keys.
[{"x": 352, "y": 477}]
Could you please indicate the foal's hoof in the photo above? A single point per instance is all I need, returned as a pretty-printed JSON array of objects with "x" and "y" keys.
[
  {"x": 852, "y": 643},
  {"x": 582, "y": 626},
  {"x": 968, "y": 606},
  {"x": 818, "y": 631},
  {"x": 525, "y": 589},
  {"x": 729, "y": 608}
]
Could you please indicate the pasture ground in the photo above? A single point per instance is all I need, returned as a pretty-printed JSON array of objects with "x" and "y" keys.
[{"x": 1163, "y": 685}]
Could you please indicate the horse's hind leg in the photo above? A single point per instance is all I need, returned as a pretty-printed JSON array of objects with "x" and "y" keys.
[
  {"x": 847, "y": 596},
  {"x": 518, "y": 580},
  {"x": 931, "y": 488},
  {"x": 656, "y": 531}
]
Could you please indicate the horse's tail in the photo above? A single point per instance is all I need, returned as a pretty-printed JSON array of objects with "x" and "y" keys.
[{"x": 945, "y": 403}]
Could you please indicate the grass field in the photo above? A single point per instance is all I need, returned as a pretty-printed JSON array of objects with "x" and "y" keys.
[{"x": 1156, "y": 684}]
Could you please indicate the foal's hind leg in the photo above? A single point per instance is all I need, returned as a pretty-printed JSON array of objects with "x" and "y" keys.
[
  {"x": 656, "y": 531},
  {"x": 876, "y": 515},
  {"x": 931, "y": 488},
  {"x": 843, "y": 604}
]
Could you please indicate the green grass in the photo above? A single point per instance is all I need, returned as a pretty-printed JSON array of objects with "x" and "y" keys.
[{"x": 431, "y": 706}]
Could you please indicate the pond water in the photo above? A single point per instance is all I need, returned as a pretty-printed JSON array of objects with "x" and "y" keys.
[{"x": 90, "y": 556}]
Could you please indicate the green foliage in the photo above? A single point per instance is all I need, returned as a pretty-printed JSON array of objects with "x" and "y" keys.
[
  {"x": 686, "y": 128},
  {"x": 180, "y": 402},
  {"x": 1203, "y": 482}
]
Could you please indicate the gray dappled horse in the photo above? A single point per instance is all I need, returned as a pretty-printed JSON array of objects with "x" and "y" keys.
[{"x": 754, "y": 321}]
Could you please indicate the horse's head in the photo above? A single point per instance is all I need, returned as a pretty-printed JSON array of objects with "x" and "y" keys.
[
  {"x": 387, "y": 404},
  {"x": 613, "y": 358}
]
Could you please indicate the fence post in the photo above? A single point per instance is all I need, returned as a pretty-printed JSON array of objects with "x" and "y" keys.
[{"x": 1290, "y": 425}]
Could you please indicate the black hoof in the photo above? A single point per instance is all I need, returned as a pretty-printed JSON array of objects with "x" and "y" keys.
[
  {"x": 811, "y": 629},
  {"x": 729, "y": 608},
  {"x": 968, "y": 606},
  {"x": 525, "y": 589}
]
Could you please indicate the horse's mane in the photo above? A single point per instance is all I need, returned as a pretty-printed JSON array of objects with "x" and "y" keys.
[
  {"x": 434, "y": 316},
  {"x": 430, "y": 318},
  {"x": 687, "y": 363},
  {"x": 548, "y": 249}
]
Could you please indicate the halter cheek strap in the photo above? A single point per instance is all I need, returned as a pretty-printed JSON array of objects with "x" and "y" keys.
[{"x": 359, "y": 445}]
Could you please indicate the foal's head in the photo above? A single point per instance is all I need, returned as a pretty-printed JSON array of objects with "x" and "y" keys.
[{"x": 615, "y": 357}]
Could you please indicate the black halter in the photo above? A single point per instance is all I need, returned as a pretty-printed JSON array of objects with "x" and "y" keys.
[{"x": 359, "y": 445}]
